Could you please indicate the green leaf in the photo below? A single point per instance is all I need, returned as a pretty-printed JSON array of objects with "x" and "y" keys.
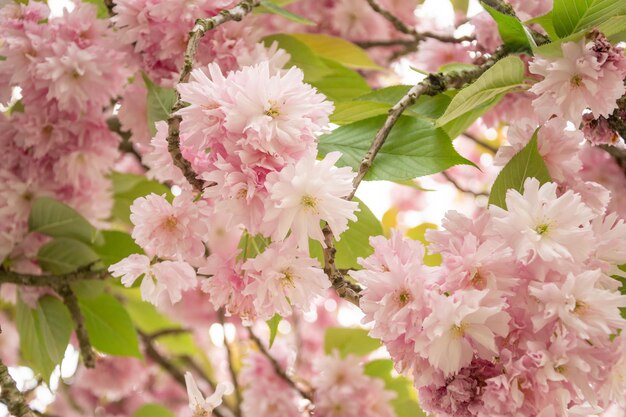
[
  {"x": 430, "y": 107},
  {"x": 354, "y": 242},
  {"x": 56, "y": 219},
  {"x": 272, "y": 7},
  {"x": 513, "y": 33},
  {"x": 405, "y": 404},
  {"x": 341, "y": 83},
  {"x": 109, "y": 326},
  {"x": 160, "y": 103},
  {"x": 251, "y": 246},
  {"x": 337, "y": 49},
  {"x": 614, "y": 29},
  {"x": 352, "y": 111},
  {"x": 419, "y": 233},
  {"x": 571, "y": 16},
  {"x": 504, "y": 76},
  {"x": 103, "y": 10},
  {"x": 63, "y": 255},
  {"x": 545, "y": 21},
  {"x": 301, "y": 56},
  {"x": 273, "y": 325},
  {"x": 153, "y": 410},
  {"x": 349, "y": 341},
  {"x": 458, "y": 125},
  {"x": 413, "y": 148},
  {"x": 44, "y": 333},
  {"x": 128, "y": 187},
  {"x": 116, "y": 246},
  {"x": 526, "y": 163}
]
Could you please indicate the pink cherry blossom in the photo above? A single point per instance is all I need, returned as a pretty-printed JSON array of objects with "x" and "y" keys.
[
  {"x": 538, "y": 223},
  {"x": 282, "y": 277},
  {"x": 302, "y": 195}
]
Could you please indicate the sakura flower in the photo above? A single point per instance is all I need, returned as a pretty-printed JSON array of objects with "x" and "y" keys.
[
  {"x": 302, "y": 195},
  {"x": 170, "y": 230},
  {"x": 283, "y": 275},
  {"x": 460, "y": 326},
  {"x": 538, "y": 223},
  {"x": 171, "y": 277},
  {"x": 580, "y": 304},
  {"x": 575, "y": 82},
  {"x": 558, "y": 146},
  {"x": 200, "y": 406}
]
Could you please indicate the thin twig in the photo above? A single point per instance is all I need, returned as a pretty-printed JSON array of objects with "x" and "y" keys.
[
  {"x": 480, "y": 142},
  {"x": 11, "y": 396},
  {"x": 231, "y": 367},
  {"x": 70, "y": 300},
  {"x": 168, "y": 332},
  {"x": 462, "y": 189},
  {"x": 29, "y": 280},
  {"x": 166, "y": 364},
  {"x": 277, "y": 368},
  {"x": 201, "y": 27}
]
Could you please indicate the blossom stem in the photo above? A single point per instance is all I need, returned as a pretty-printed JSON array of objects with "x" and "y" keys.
[
  {"x": 11, "y": 396},
  {"x": 201, "y": 27},
  {"x": 480, "y": 142}
]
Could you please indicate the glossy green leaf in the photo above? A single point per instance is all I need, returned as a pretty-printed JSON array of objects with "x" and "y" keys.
[
  {"x": 160, "y": 103},
  {"x": 273, "y": 326},
  {"x": 341, "y": 83},
  {"x": 251, "y": 246},
  {"x": 153, "y": 410},
  {"x": 337, "y": 49},
  {"x": 413, "y": 148},
  {"x": 53, "y": 218},
  {"x": 545, "y": 21},
  {"x": 301, "y": 56},
  {"x": 63, "y": 255},
  {"x": 430, "y": 107},
  {"x": 348, "y": 341},
  {"x": 571, "y": 16},
  {"x": 109, "y": 326},
  {"x": 504, "y": 76},
  {"x": 352, "y": 111},
  {"x": 272, "y": 7},
  {"x": 354, "y": 242},
  {"x": 526, "y": 163},
  {"x": 44, "y": 333},
  {"x": 116, "y": 246},
  {"x": 458, "y": 125},
  {"x": 128, "y": 187},
  {"x": 513, "y": 33},
  {"x": 419, "y": 233}
]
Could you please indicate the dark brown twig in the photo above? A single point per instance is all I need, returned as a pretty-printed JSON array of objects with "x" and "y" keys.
[
  {"x": 9, "y": 277},
  {"x": 277, "y": 368},
  {"x": 201, "y": 27},
  {"x": 70, "y": 300},
  {"x": 462, "y": 189},
  {"x": 480, "y": 142}
]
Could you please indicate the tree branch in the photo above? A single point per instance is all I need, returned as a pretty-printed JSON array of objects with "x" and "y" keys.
[
  {"x": 277, "y": 368},
  {"x": 70, "y": 300},
  {"x": 231, "y": 367},
  {"x": 480, "y": 142},
  {"x": 29, "y": 280},
  {"x": 462, "y": 189},
  {"x": 167, "y": 365},
  {"x": 11, "y": 396},
  {"x": 201, "y": 27}
]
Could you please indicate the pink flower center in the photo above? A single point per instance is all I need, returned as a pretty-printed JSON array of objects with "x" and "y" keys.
[
  {"x": 170, "y": 223},
  {"x": 309, "y": 203},
  {"x": 459, "y": 331},
  {"x": 288, "y": 278},
  {"x": 273, "y": 111}
]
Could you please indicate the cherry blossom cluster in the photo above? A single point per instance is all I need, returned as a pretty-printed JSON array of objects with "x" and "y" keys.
[
  {"x": 56, "y": 141},
  {"x": 521, "y": 318},
  {"x": 251, "y": 134}
]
